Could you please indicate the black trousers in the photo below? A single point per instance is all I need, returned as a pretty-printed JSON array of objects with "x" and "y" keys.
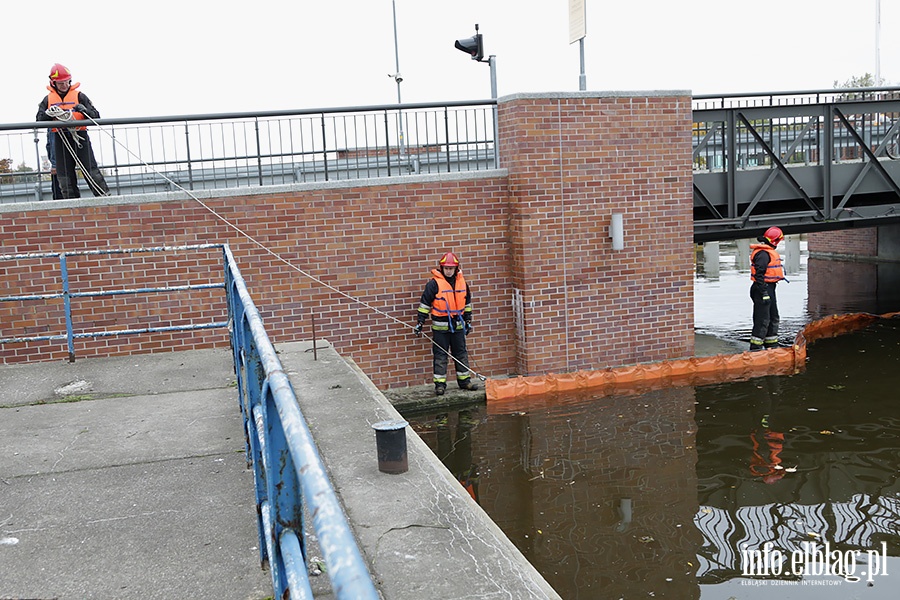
[
  {"x": 455, "y": 344},
  {"x": 765, "y": 316},
  {"x": 66, "y": 165}
]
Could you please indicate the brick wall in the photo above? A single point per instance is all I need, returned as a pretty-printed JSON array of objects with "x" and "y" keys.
[
  {"x": 573, "y": 162},
  {"x": 857, "y": 242},
  {"x": 539, "y": 227},
  {"x": 376, "y": 243}
]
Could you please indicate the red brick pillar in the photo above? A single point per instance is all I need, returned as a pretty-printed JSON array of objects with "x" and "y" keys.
[{"x": 574, "y": 160}]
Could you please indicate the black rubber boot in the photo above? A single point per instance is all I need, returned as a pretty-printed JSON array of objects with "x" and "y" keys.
[
  {"x": 466, "y": 384},
  {"x": 439, "y": 389}
]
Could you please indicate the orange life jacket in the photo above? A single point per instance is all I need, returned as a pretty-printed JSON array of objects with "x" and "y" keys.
[
  {"x": 450, "y": 303},
  {"x": 775, "y": 270},
  {"x": 71, "y": 101}
]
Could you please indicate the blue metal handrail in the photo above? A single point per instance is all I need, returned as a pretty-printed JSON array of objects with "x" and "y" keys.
[
  {"x": 286, "y": 464},
  {"x": 288, "y": 469},
  {"x": 67, "y": 295}
]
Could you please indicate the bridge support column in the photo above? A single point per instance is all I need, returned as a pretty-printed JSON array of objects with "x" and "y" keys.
[
  {"x": 743, "y": 254},
  {"x": 574, "y": 160},
  {"x": 791, "y": 254},
  {"x": 711, "y": 259}
]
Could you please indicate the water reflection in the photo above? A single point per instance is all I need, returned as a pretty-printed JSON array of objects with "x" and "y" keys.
[
  {"x": 824, "y": 472},
  {"x": 668, "y": 494},
  {"x": 599, "y": 495}
]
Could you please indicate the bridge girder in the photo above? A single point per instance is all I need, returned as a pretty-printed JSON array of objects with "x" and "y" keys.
[{"x": 780, "y": 175}]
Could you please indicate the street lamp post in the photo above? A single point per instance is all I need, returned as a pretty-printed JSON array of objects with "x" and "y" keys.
[
  {"x": 877, "y": 43},
  {"x": 474, "y": 46},
  {"x": 397, "y": 77}
]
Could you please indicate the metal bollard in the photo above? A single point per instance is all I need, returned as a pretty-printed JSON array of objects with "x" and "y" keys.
[{"x": 390, "y": 440}]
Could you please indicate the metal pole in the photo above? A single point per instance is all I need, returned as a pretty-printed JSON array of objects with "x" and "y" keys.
[
  {"x": 877, "y": 43},
  {"x": 38, "y": 190},
  {"x": 397, "y": 76},
  {"x": 492, "y": 61},
  {"x": 582, "y": 78},
  {"x": 67, "y": 307}
]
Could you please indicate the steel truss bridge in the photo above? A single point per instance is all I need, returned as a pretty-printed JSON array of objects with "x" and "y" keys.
[{"x": 804, "y": 160}]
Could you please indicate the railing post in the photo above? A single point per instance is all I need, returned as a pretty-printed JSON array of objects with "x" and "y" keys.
[
  {"x": 387, "y": 141},
  {"x": 731, "y": 162},
  {"x": 324, "y": 148},
  {"x": 67, "y": 306},
  {"x": 258, "y": 152},
  {"x": 112, "y": 130},
  {"x": 826, "y": 159},
  {"x": 187, "y": 143},
  {"x": 39, "y": 188},
  {"x": 255, "y": 400},
  {"x": 447, "y": 135},
  {"x": 492, "y": 62},
  {"x": 283, "y": 490}
]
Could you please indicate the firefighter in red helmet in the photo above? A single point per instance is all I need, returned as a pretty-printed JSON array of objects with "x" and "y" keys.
[
  {"x": 72, "y": 144},
  {"x": 448, "y": 301},
  {"x": 766, "y": 270}
]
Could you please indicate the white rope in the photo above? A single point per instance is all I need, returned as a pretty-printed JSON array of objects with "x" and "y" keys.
[
  {"x": 272, "y": 253},
  {"x": 59, "y": 114}
]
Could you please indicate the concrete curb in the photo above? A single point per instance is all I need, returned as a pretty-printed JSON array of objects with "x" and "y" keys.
[{"x": 421, "y": 533}]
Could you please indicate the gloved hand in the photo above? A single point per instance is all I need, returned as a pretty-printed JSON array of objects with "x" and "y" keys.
[
  {"x": 418, "y": 330},
  {"x": 55, "y": 112},
  {"x": 81, "y": 108},
  {"x": 468, "y": 327}
]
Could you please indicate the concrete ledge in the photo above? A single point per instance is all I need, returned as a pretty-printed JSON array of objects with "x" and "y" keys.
[
  {"x": 421, "y": 533},
  {"x": 240, "y": 192},
  {"x": 594, "y": 94}
]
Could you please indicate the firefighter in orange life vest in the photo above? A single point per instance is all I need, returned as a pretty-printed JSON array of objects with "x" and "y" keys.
[
  {"x": 73, "y": 145},
  {"x": 767, "y": 443},
  {"x": 448, "y": 301},
  {"x": 766, "y": 270}
]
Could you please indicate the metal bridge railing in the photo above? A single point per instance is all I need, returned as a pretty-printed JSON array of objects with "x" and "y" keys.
[
  {"x": 793, "y": 127},
  {"x": 287, "y": 467},
  {"x": 209, "y": 151},
  {"x": 793, "y": 98},
  {"x": 799, "y": 159}
]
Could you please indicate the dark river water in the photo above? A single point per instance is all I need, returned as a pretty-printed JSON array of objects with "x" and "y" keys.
[{"x": 775, "y": 487}]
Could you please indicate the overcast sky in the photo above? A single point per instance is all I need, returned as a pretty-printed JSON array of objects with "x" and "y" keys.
[{"x": 171, "y": 57}]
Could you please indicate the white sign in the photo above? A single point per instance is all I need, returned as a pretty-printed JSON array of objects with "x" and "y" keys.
[{"x": 577, "y": 27}]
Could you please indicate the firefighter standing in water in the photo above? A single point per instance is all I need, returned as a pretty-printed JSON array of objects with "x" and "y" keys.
[
  {"x": 73, "y": 145},
  {"x": 767, "y": 442},
  {"x": 449, "y": 302},
  {"x": 766, "y": 270}
]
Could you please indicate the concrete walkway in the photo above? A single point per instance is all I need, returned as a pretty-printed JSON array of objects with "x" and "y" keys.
[
  {"x": 421, "y": 533},
  {"x": 125, "y": 478}
]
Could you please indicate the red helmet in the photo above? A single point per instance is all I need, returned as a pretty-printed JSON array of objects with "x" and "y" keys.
[
  {"x": 449, "y": 260},
  {"x": 773, "y": 235},
  {"x": 59, "y": 72}
]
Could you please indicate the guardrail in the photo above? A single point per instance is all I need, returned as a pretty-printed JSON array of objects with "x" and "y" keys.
[
  {"x": 741, "y": 132},
  {"x": 251, "y": 149},
  {"x": 286, "y": 464},
  {"x": 68, "y": 296},
  {"x": 289, "y": 473},
  {"x": 792, "y": 98}
]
